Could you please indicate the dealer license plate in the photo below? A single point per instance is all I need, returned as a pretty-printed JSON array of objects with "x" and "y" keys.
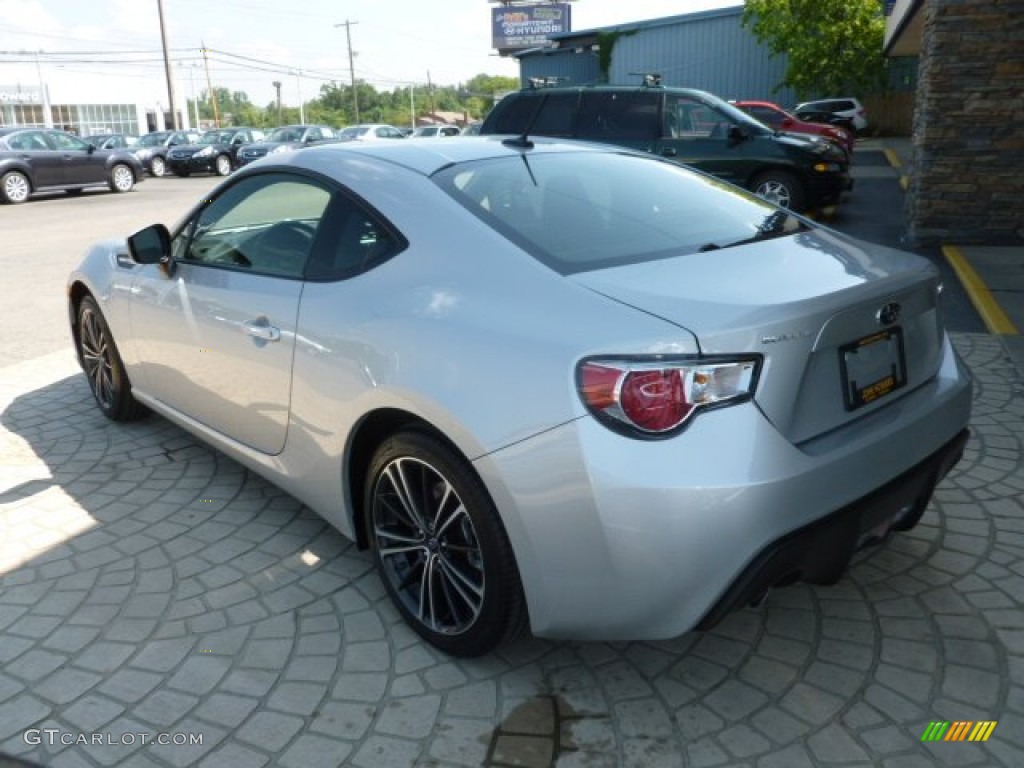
[{"x": 872, "y": 367}]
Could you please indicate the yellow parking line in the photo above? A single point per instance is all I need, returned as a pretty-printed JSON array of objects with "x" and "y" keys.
[
  {"x": 991, "y": 313},
  {"x": 904, "y": 182},
  {"x": 893, "y": 158}
]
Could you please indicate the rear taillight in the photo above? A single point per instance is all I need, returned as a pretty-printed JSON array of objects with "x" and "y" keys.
[{"x": 654, "y": 397}]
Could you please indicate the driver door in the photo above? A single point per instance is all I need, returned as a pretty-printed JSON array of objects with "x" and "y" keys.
[
  {"x": 696, "y": 134},
  {"x": 215, "y": 339}
]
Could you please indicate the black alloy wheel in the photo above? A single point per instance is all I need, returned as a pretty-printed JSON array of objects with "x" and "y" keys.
[
  {"x": 103, "y": 367},
  {"x": 440, "y": 547}
]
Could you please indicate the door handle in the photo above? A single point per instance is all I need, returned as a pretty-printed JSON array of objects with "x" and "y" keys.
[{"x": 262, "y": 331}]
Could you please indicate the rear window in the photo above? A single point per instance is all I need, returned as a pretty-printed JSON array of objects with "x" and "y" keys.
[{"x": 580, "y": 211}]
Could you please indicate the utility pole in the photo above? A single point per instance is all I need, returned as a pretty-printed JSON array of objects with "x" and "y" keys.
[
  {"x": 351, "y": 65},
  {"x": 302, "y": 107},
  {"x": 167, "y": 66},
  {"x": 209, "y": 86},
  {"x": 44, "y": 94},
  {"x": 277, "y": 85},
  {"x": 430, "y": 93}
]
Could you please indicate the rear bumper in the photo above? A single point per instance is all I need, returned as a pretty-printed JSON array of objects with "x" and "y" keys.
[
  {"x": 820, "y": 553},
  {"x": 826, "y": 188}
]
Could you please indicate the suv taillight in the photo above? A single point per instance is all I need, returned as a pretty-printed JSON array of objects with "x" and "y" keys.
[{"x": 655, "y": 397}]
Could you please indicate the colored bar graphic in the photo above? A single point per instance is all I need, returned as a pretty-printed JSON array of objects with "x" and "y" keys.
[
  {"x": 959, "y": 730},
  {"x": 983, "y": 730}
]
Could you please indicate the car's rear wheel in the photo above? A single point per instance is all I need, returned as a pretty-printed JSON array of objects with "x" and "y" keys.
[
  {"x": 15, "y": 187},
  {"x": 121, "y": 178},
  {"x": 440, "y": 547},
  {"x": 103, "y": 367},
  {"x": 157, "y": 166},
  {"x": 222, "y": 165},
  {"x": 780, "y": 187}
]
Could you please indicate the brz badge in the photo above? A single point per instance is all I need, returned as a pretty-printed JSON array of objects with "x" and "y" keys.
[{"x": 889, "y": 313}]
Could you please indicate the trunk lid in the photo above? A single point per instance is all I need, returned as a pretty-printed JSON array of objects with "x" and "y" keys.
[{"x": 833, "y": 318}]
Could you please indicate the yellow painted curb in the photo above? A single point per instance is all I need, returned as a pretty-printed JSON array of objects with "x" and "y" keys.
[
  {"x": 904, "y": 182},
  {"x": 893, "y": 158},
  {"x": 991, "y": 313}
]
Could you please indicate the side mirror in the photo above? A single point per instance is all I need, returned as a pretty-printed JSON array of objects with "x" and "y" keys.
[
  {"x": 736, "y": 134},
  {"x": 786, "y": 122},
  {"x": 151, "y": 245}
]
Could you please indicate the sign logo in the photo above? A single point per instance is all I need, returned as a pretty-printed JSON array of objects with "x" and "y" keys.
[
  {"x": 889, "y": 313},
  {"x": 960, "y": 730}
]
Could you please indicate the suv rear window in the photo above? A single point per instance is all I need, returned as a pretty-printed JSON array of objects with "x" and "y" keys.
[{"x": 580, "y": 211}]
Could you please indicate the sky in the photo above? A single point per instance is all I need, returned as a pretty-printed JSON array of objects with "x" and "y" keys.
[{"x": 299, "y": 43}]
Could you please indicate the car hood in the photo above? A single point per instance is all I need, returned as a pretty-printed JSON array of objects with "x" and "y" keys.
[
  {"x": 796, "y": 301},
  {"x": 266, "y": 146}
]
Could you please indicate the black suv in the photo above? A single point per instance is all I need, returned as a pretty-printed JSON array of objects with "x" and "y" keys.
[
  {"x": 687, "y": 126},
  {"x": 215, "y": 152}
]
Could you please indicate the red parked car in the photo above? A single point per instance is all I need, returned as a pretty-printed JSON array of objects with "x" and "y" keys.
[{"x": 776, "y": 117}]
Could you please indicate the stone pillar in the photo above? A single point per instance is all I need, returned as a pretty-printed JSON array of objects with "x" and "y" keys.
[{"x": 968, "y": 180}]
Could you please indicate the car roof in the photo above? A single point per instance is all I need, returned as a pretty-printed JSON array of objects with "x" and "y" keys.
[{"x": 429, "y": 159}]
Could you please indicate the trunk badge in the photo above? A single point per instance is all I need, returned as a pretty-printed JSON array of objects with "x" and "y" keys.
[{"x": 889, "y": 313}]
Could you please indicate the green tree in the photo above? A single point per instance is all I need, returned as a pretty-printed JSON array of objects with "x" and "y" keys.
[{"x": 833, "y": 46}]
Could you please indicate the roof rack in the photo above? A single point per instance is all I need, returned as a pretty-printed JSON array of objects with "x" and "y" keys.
[
  {"x": 650, "y": 79},
  {"x": 546, "y": 82}
]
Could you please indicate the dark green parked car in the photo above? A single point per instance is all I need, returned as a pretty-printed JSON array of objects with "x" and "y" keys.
[{"x": 688, "y": 126}]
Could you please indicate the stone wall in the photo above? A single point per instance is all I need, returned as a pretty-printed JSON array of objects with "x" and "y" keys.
[{"x": 968, "y": 181}]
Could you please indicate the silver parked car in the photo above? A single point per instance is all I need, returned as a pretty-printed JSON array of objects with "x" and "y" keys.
[{"x": 572, "y": 385}]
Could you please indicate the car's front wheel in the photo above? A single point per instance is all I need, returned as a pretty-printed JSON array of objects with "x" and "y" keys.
[
  {"x": 121, "y": 178},
  {"x": 157, "y": 166},
  {"x": 103, "y": 367},
  {"x": 15, "y": 187},
  {"x": 440, "y": 547},
  {"x": 222, "y": 165},
  {"x": 780, "y": 187}
]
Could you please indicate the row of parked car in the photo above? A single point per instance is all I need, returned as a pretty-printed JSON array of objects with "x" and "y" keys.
[{"x": 742, "y": 141}]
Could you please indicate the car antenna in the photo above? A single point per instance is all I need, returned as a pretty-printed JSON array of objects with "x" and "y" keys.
[{"x": 523, "y": 139}]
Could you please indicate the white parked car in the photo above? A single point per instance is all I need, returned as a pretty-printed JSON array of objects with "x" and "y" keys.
[{"x": 847, "y": 108}]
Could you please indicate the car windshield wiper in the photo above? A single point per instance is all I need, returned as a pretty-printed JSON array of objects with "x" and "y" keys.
[{"x": 776, "y": 224}]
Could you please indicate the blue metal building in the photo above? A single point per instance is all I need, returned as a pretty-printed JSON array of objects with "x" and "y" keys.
[{"x": 711, "y": 50}]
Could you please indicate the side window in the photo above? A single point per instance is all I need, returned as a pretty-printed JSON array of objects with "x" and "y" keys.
[
  {"x": 614, "y": 116},
  {"x": 264, "y": 224},
  {"x": 30, "y": 141},
  {"x": 557, "y": 117},
  {"x": 767, "y": 116},
  {"x": 353, "y": 240},
  {"x": 515, "y": 113},
  {"x": 68, "y": 143},
  {"x": 687, "y": 118}
]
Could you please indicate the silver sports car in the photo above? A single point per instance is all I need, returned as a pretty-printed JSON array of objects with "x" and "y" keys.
[{"x": 553, "y": 384}]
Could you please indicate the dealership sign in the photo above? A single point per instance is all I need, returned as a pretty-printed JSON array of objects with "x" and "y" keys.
[
  {"x": 20, "y": 94},
  {"x": 527, "y": 26}
]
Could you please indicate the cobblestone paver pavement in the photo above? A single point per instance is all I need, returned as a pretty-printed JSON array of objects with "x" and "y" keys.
[{"x": 149, "y": 585}]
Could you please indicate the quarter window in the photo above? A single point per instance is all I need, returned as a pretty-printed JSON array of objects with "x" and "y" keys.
[
  {"x": 265, "y": 224},
  {"x": 616, "y": 116}
]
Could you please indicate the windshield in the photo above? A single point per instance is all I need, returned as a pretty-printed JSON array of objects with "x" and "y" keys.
[
  {"x": 734, "y": 113},
  {"x": 590, "y": 210},
  {"x": 154, "y": 139},
  {"x": 216, "y": 137},
  {"x": 285, "y": 134}
]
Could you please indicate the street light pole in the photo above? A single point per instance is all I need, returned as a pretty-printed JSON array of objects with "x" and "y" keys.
[
  {"x": 298, "y": 85},
  {"x": 167, "y": 66},
  {"x": 277, "y": 85}
]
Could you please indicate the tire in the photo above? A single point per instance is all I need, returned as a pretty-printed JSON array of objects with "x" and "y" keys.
[
  {"x": 15, "y": 187},
  {"x": 103, "y": 367},
  {"x": 158, "y": 167},
  {"x": 451, "y": 574},
  {"x": 122, "y": 179},
  {"x": 780, "y": 187},
  {"x": 222, "y": 165}
]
